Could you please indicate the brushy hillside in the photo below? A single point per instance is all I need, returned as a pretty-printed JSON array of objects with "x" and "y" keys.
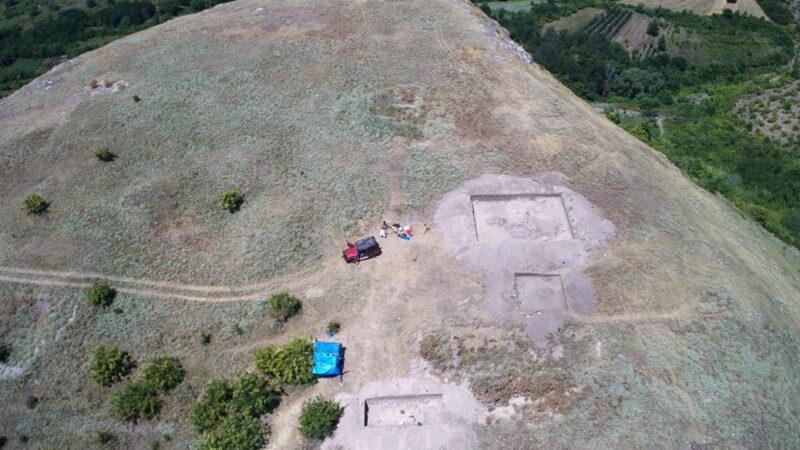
[{"x": 327, "y": 117}]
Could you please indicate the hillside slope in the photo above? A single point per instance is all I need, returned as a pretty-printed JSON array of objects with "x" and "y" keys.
[
  {"x": 330, "y": 116},
  {"x": 704, "y": 7}
]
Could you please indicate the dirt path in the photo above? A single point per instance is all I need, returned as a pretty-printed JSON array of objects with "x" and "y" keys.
[{"x": 143, "y": 287}]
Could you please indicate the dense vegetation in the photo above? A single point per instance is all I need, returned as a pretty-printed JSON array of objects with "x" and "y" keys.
[
  {"x": 282, "y": 306},
  {"x": 679, "y": 97},
  {"x": 319, "y": 417},
  {"x": 109, "y": 365},
  {"x": 289, "y": 364},
  {"x": 100, "y": 294},
  {"x": 34, "y": 35}
]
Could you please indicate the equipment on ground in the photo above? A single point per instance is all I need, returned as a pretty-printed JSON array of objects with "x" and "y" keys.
[
  {"x": 364, "y": 249},
  {"x": 328, "y": 359}
]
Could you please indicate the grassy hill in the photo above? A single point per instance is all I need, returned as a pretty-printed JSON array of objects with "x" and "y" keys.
[{"x": 327, "y": 118}]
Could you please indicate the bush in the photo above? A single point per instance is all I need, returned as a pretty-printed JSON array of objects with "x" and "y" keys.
[
  {"x": 290, "y": 364},
  {"x": 105, "y": 438},
  {"x": 100, "y": 294},
  {"x": 254, "y": 396},
  {"x": 319, "y": 417},
  {"x": 109, "y": 365},
  {"x": 212, "y": 406},
  {"x": 135, "y": 400},
  {"x": 282, "y": 306},
  {"x": 31, "y": 401},
  {"x": 334, "y": 327},
  {"x": 34, "y": 204},
  {"x": 162, "y": 373},
  {"x": 205, "y": 338},
  {"x": 5, "y": 352},
  {"x": 235, "y": 432},
  {"x": 231, "y": 200},
  {"x": 105, "y": 155}
]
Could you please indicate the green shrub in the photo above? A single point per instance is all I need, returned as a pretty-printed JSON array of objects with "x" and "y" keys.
[
  {"x": 34, "y": 204},
  {"x": 231, "y": 200},
  {"x": 282, "y": 306},
  {"x": 212, "y": 406},
  {"x": 254, "y": 396},
  {"x": 235, "y": 432},
  {"x": 105, "y": 438},
  {"x": 162, "y": 373},
  {"x": 100, "y": 294},
  {"x": 105, "y": 155},
  {"x": 289, "y": 364},
  {"x": 334, "y": 327},
  {"x": 319, "y": 417},
  {"x": 5, "y": 352},
  {"x": 31, "y": 401},
  {"x": 109, "y": 365},
  {"x": 205, "y": 338},
  {"x": 135, "y": 400}
]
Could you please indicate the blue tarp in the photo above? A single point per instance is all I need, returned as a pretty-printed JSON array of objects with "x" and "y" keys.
[{"x": 327, "y": 359}]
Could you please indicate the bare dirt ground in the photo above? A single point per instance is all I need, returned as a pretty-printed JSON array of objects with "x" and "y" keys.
[
  {"x": 633, "y": 35},
  {"x": 707, "y": 7},
  {"x": 329, "y": 118},
  {"x": 575, "y": 21}
]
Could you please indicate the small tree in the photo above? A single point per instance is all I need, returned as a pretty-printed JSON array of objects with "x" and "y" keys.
[
  {"x": 290, "y": 364},
  {"x": 105, "y": 155},
  {"x": 109, "y": 365},
  {"x": 231, "y": 200},
  {"x": 100, "y": 294},
  {"x": 235, "y": 432},
  {"x": 282, "y": 306},
  {"x": 254, "y": 396},
  {"x": 162, "y": 373},
  {"x": 652, "y": 28},
  {"x": 34, "y": 204},
  {"x": 135, "y": 400},
  {"x": 319, "y": 417},
  {"x": 212, "y": 406}
]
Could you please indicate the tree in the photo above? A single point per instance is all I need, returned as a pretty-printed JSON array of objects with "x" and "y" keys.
[
  {"x": 235, "y": 432},
  {"x": 5, "y": 352},
  {"x": 135, "y": 400},
  {"x": 162, "y": 373},
  {"x": 231, "y": 200},
  {"x": 100, "y": 294},
  {"x": 652, "y": 28},
  {"x": 109, "y": 365},
  {"x": 289, "y": 364},
  {"x": 212, "y": 406},
  {"x": 105, "y": 155},
  {"x": 282, "y": 306},
  {"x": 319, "y": 417},
  {"x": 254, "y": 396},
  {"x": 34, "y": 204}
]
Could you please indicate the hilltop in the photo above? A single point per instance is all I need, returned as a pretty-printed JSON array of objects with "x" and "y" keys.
[{"x": 575, "y": 286}]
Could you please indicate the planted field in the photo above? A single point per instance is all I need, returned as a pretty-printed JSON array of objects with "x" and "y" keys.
[
  {"x": 633, "y": 34},
  {"x": 575, "y": 21},
  {"x": 703, "y": 7},
  {"x": 775, "y": 113},
  {"x": 609, "y": 23}
]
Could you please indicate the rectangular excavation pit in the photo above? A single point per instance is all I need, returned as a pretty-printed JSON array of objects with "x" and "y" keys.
[
  {"x": 403, "y": 410},
  {"x": 533, "y": 217},
  {"x": 539, "y": 292}
]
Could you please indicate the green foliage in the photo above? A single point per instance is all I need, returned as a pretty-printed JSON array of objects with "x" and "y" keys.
[
  {"x": 254, "y": 396},
  {"x": 282, "y": 306},
  {"x": 204, "y": 337},
  {"x": 212, "y": 406},
  {"x": 334, "y": 327},
  {"x": 34, "y": 204},
  {"x": 31, "y": 401},
  {"x": 777, "y": 10},
  {"x": 100, "y": 294},
  {"x": 652, "y": 28},
  {"x": 235, "y": 432},
  {"x": 319, "y": 417},
  {"x": 290, "y": 364},
  {"x": 162, "y": 373},
  {"x": 109, "y": 365},
  {"x": 105, "y": 438},
  {"x": 5, "y": 352},
  {"x": 135, "y": 400},
  {"x": 231, "y": 200},
  {"x": 105, "y": 155}
]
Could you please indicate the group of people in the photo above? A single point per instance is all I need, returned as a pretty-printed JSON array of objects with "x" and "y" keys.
[{"x": 402, "y": 232}]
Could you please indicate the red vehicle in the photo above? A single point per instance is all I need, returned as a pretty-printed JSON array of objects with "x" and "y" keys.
[{"x": 364, "y": 249}]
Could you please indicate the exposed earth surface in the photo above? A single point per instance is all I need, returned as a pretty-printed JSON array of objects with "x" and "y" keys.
[{"x": 575, "y": 289}]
